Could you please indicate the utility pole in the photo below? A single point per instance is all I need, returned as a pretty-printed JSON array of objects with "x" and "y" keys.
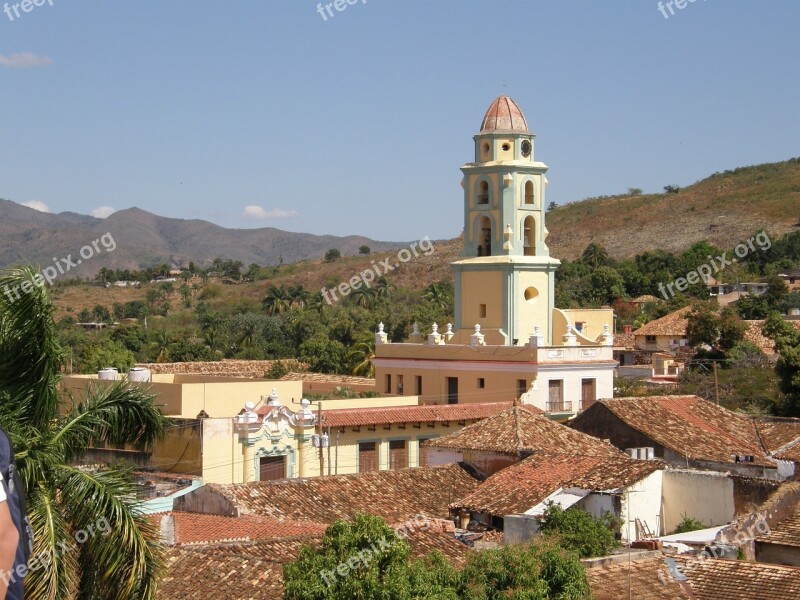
[
  {"x": 319, "y": 427},
  {"x": 716, "y": 383}
]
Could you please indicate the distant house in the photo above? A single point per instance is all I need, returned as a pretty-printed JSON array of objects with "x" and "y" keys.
[
  {"x": 687, "y": 431},
  {"x": 667, "y": 334},
  {"x": 791, "y": 279},
  {"x": 725, "y": 293}
]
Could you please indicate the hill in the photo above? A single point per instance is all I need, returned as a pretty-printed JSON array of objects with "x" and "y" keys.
[
  {"x": 723, "y": 209},
  {"x": 144, "y": 239}
]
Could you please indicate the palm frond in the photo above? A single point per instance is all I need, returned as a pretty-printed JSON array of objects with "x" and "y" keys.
[
  {"x": 125, "y": 562},
  {"x": 117, "y": 414},
  {"x": 30, "y": 355}
]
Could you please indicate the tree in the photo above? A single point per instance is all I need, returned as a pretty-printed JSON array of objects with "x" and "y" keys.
[
  {"x": 594, "y": 256},
  {"x": 552, "y": 206},
  {"x": 85, "y": 316},
  {"x": 363, "y": 297},
  {"x": 721, "y": 332},
  {"x": 277, "y": 300},
  {"x": 332, "y": 255},
  {"x": 672, "y": 189},
  {"x": 787, "y": 343},
  {"x": 362, "y": 355},
  {"x": 366, "y": 559},
  {"x": 63, "y": 499},
  {"x": 688, "y": 524},
  {"x": 298, "y": 296},
  {"x": 579, "y": 531},
  {"x": 364, "y": 250},
  {"x": 634, "y": 191},
  {"x": 101, "y": 314}
]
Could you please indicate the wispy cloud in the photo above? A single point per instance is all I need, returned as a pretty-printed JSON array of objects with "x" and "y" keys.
[
  {"x": 101, "y": 212},
  {"x": 37, "y": 205},
  {"x": 24, "y": 60},
  {"x": 254, "y": 211}
]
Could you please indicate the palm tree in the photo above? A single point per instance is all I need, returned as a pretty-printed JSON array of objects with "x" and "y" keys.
[
  {"x": 436, "y": 294},
  {"x": 384, "y": 287},
  {"x": 161, "y": 345},
  {"x": 362, "y": 354},
  {"x": 210, "y": 320},
  {"x": 277, "y": 300},
  {"x": 363, "y": 297},
  {"x": 298, "y": 296},
  {"x": 64, "y": 499}
]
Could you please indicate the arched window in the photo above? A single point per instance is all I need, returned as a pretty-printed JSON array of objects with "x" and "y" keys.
[
  {"x": 529, "y": 239},
  {"x": 483, "y": 192},
  {"x": 529, "y": 192},
  {"x": 485, "y": 237}
]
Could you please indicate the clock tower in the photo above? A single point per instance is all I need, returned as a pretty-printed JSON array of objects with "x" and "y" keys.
[{"x": 505, "y": 279}]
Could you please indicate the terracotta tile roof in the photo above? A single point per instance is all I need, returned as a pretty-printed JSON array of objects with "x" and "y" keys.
[
  {"x": 393, "y": 495},
  {"x": 343, "y": 380},
  {"x": 781, "y": 437},
  {"x": 624, "y": 341},
  {"x": 518, "y": 488},
  {"x": 200, "y": 574},
  {"x": 229, "y": 368},
  {"x": 438, "y": 413},
  {"x": 787, "y": 532},
  {"x": 195, "y": 528},
  {"x": 712, "y": 579},
  {"x": 646, "y": 298},
  {"x": 687, "y": 425},
  {"x": 518, "y": 431},
  {"x": 674, "y": 324},
  {"x": 287, "y": 549},
  {"x": 617, "y": 580}
]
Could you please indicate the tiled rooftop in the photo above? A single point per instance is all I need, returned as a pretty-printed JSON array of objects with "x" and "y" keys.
[
  {"x": 442, "y": 413},
  {"x": 673, "y": 324},
  {"x": 781, "y": 437},
  {"x": 713, "y": 579},
  {"x": 624, "y": 341},
  {"x": 518, "y": 488},
  {"x": 786, "y": 533},
  {"x": 343, "y": 380},
  {"x": 639, "y": 580},
  {"x": 393, "y": 495},
  {"x": 195, "y": 528},
  {"x": 195, "y": 574},
  {"x": 687, "y": 425},
  {"x": 519, "y": 431}
]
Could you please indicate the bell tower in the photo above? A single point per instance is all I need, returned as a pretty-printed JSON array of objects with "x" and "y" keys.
[{"x": 505, "y": 280}]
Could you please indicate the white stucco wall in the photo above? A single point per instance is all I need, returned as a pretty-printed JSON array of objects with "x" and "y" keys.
[
  {"x": 703, "y": 495},
  {"x": 571, "y": 375},
  {"x": 642, "y": 501}
]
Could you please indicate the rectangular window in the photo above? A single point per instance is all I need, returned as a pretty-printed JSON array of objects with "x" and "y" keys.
[
  {"x": 419, "y": 385},
  {"x": 367, "y": 457},
  {"x": 271, "y": 468},
  {"x": 398, "y": 455},
  {"x": 522, "y": 387},
  {"x": 588, "y": 392},
  {"x": 481, "y": 383},
  {"x": 399, "y": 385},
  {"x": 388, "y": 384},
  {"x": 452, "y": 390},
  {"x": 579, "y": 326},
  {"x": 482, "y": 311},
  {"x": 556, "y": 395},
  {"x": 650, "y": 339}
]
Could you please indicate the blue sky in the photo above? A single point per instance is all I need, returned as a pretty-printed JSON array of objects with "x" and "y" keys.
[{"x": 359, "y": 124}]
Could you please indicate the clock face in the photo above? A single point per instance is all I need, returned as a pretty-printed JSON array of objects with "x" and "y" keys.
[{"x": 526, "y": 148}]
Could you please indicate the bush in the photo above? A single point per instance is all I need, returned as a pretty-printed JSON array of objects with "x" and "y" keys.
[
  {"x": 688, "y": 524},
  {"x": 579, "y": 531},
  {"x": 332, "y": 255}
]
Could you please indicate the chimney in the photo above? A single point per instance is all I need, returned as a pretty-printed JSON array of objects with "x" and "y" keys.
[{"x": 626, "y": 329}]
